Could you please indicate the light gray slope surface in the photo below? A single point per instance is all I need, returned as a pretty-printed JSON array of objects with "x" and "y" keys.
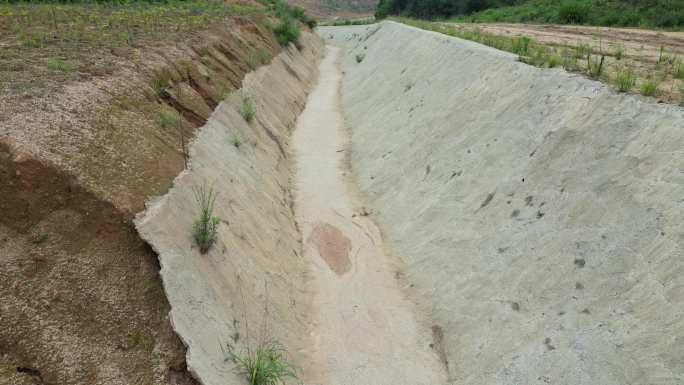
[
  {"x": 539, "y": 213},
  {"x": 367, "y": 332},
  {"x": 253, "y": 285}
]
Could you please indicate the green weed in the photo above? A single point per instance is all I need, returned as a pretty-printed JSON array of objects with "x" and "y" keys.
[
  {"x": 167, "y": 119},
  {"x": 649, "y": 87},
  {"x": 266, "y": 365},
  {"x": 521, "y": 45},
  {"x": 60, "y": 65},
  {"x": 159, "y": 86},
  {"x": 287, "y": 32},
  {"x": 235, "y": 141},
  {"x": 625, "y": 79},
  {"x": 554, "y": 60},
  {"x": 679, "y": 70},
  {"x": 205, "y": 227},
  {"x": 360, "y": 57},
  {"x": 248, "y": 110},
  {"x": 595, "y": 66}
]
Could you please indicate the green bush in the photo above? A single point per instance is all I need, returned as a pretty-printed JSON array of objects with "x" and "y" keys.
[
  {"x": 287, "y": 32},
  {"x": 574, "y": 12}
]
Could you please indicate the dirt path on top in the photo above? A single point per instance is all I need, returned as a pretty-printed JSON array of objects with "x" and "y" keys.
[
  {"x": 367, "y": 332},
  {"x": 643, "y": 41},
  {"x": 651, "y": 54}
]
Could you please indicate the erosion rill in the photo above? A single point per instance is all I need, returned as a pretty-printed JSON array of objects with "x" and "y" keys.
[{"x": 538, "y": 213}]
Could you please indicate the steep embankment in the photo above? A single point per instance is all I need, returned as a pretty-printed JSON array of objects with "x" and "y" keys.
[
  {"x": 80, "y": 296},
  {"x": 538, "y": 212},
  {"x": 252, "y": 286}
]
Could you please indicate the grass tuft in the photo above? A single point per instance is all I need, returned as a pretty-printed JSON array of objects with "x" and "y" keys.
[
  {"x": 595, "y": 66},
  {"x": 521, "y": 46},
  {"x": 235, "y": 141},
  {"x": 167, "y": 119},
  {"x": 60, "y": 65},
  {"x": 625, "y": 79},
  {"x": 649, "y": 87},
  {"x": 267, "y": 365},
  {"x": 679, "y": 70},
  {"x": 248, "y": 110},
  {"x": 204, "y": 229}
]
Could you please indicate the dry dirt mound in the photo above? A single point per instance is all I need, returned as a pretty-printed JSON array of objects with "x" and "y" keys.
[{"x": 538, "y": 212}]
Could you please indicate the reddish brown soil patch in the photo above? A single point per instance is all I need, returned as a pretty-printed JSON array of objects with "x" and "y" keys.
[{"x": 333, "y": 246}]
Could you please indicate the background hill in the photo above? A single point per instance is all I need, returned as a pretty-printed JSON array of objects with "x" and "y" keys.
[
  {"x": 328, "y": 9},
  {"x": 633, "y": 13}
]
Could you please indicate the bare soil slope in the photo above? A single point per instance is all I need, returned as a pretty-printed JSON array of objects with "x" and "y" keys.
[{"x": 80, "y": 152}]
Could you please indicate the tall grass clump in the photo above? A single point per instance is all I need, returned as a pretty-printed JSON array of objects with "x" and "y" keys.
[
  {"x": 625, "y": 79},
  {"x": 521, "y": 45},
  {"x": 204, "y": 229},
  {"x": 267, "y": 364},
  {"x": 248, "y": 110},
  {"x": 595, "y": 66},
  {"x": 649, "y": 87},
  {"x": 679, "y": 70}
]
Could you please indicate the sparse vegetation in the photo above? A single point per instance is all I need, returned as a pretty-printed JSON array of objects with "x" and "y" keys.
[
  {"x": 39, "y": 239},
  {"x": 159, "y": 86},
  {"x": 205, "y": 227},
  {"x": 521, "y": 46},
  {"x": 167, "y": 119},
  {"x": 625, "y": 79},
  {"x": 361, "y": 21},
  {"x": 287, "y": 32},
  {"x": 595, "y": 66},
  {"x": 360, "y": 57},
  {"x": 267, "y": 364},
  {"x": 649, "y": 87},
  {"x": 624, "y": 75},
  {"x": 248, "y": 110},
  {"x": 60, "y": 65},
  {"x": 235, "y": 141},
  {"x": 679, "y": 70}
]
